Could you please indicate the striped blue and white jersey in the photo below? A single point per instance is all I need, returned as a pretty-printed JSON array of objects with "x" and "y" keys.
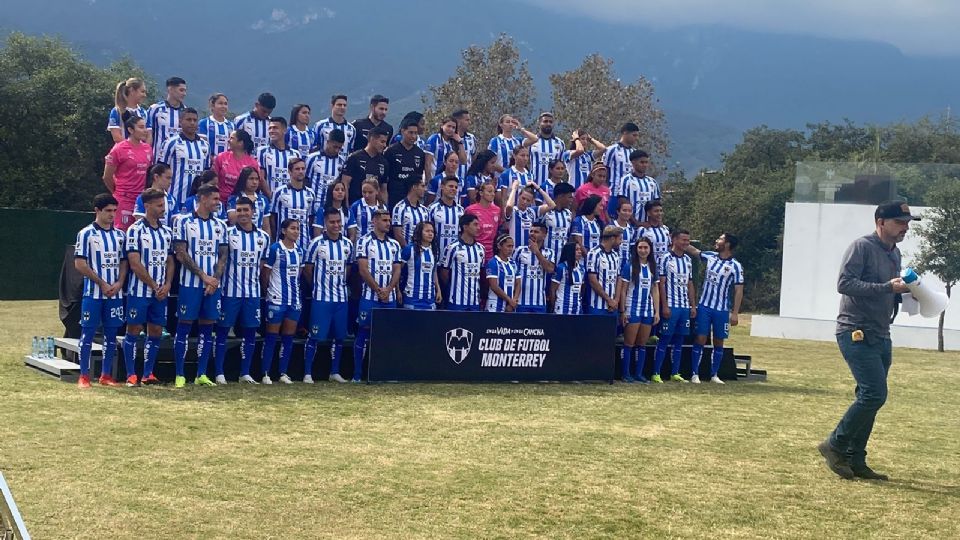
[
  {"x": 298, "y": 204},
  {"x": 617, "y": 160},
  {"x": 407, "y": 216},
  {"x": 301, "y": 141},
  {"x": 474, "y": 182},
  {"x": 606, "y": 266},
  {"x": 273, "y": 163},
  {"x": 506, "y": 274},
  {"x": 503, "y": 148},
  {"x": 639, "y": 191},
  {"x": 361, "y": 217},
  {"x": 439, "y": 147},
  {"x": 660, "y": 236},
  {"x": 421, "y": 268},
  {"x": 190, "y": 206},
  {"x": 464, "y": 262},
  {"x": 433, "y": 188},
  {"x": 256, "y": 127},
  {"x": 115, "y": 120},
  {"x": 216, "y": 133},
  {"x": 154, "y": 246},
  {"x": 558, "y": 230},
  {"x": 164, "y": 120},
  {"x": 675, "y": 271},
  {"x": 420, "y": 143},
  {"x": 446, "y": 223},
  {"x": 246, "y": 251},
  {"x": 170, "y": 210},
  {"x": 588, "y": 229},
  {"x": 323, "y": 129},
  {"x": 639, "y": 298},
  {"x": 322, "y": 171},
  {"x": 518, "y": 223},
  {"x": 569, "y": 301},
  {"x": 330, "y": 260},
  {"x": 578, "y": 168},
  {"x": 533, "y": 278},
  {"x": 508, "y": 176},
  {"x": 103, "y": 249},
  {"x": 381, "y": 256},
  {"x": 720, "y": 275},
  {"x": 283, "y": 288},
  {"x": 542, "y": 153},
  {"x": 203, "y": 238},
  {"x": 187, "y": 159},
  {"x": 469, "y": 142},
  {"x": 261, "y": 207},
  {"x": 629, "y": 237}
]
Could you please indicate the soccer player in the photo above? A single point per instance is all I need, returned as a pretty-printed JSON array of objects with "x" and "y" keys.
[
  {"x": 557, "y": 172},
  {"x": 187, "y": 154},
  {"x": 336, "y": 198},
  {"x": 617, "y": 158},
  {"x": 603, "y": 273},
  {"x": 280, "y": 276},
  {"x": 421, "y": 287},
  {"x": 149, "y": 248},
  {"x": 188, "y": 207},
  {"x": 163, "y": 117},
  {"x": 159, "y": 176},
  {"x": 100, "y": 258},
  {"x": 624, "y": 220},
  {"x": 534, "y": 264},
  {"x": 327, "y": 269},
  {"x": 596, "y": 186},
  {"x": 578, "y": 159},
  {"x": 585, "y": 229},
  {"x": 249, "y": 186},
  {"x": 275, "y": 158},
  {"x": 247, "y": 247},
  {"x": 451, "y": 168},
  {"x": 467, "y": 139},
  {"x": 721, "y": 274},
  {"x": 408, "y": 213},
  {"x": 324, "y": 165},
  {"x": 378, "y": 262},
  {"x": 639, "y": 307},
  {"x": 238, "y": 156},
  {"x": 547, "y": 148},
  {"x": 361, "y": 212},
  {"x": 488, "y": 214},
  {"x": 300, "y": 135},
  {"x": 521, "y": 210},
  {"x": 446, "y": 141},
  {"x": 255, "y": 122},
  {"x": 460, "y": 267},
  {"x": 216, "y": 128},
  {"x": 405, "y": 163},
  {"x": 655, "y": 230},
  {"x": 365, "y": 163},
  {"x": 506, "y": 141},
  {"x": 127, "y": 98},
  {"x": 517, "y": 172},
  {"x": 503, "y": 282},
  {"x": 125, "y": 168},
  {"x": 637, "y": 187},
  {"x": 376, "y": 118},
  {"x": 336, "y": 121},
  {"x": 295, "y": 201},
  {"x": 559, "y": 219},
  {"x": 481, "y": 171},
  {"x": 200, "y": 245},
  {"x": 676, "y": 289},
  {"x": 445, "y": 214},
  {"x": 568, "y": 280}
]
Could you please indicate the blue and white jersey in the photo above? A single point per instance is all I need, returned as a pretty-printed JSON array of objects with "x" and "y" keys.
[
  {"x": 216, "y": 133},
  {"x": 283, "y": 288},
  {"x": 606, "y": 266},
  {"x": 660, "y": 236},
  {"x": 569, "y": 301},
  {"x": 323, "y": 129},
  {"x": 298, "y": 204},
  {"x": 322, "y": 171},
  {"x": 190, "y": 206},
  {"x": 469, "y": 142},
  {"x": 330, "y": 259},
  {"x": 508, "y": 176},
  {"x": 164, "y": 120},
  {"x": 439, "y": 147},
  {"x": 361, "y": 217},
  {"x": 419, "y": 143},
  {"x": 518, "y": 223},
  {"x": 103, "y": 249},
  {"x": 433, "y": 188},
  {"x": 301, "y": 141},
  {"x": 115, "y": 120},
  {"x": 421, "y": 269},
  {"x": 617, "y": 160},
  {"x": 203, "y": 238},
  {"x": 187, "y": 159},
  {"x": 720, "y": 275},
  {"x": 464, "y": 262},
  {"x": 503, "y": 148},
  {"x": 170, "y": 210},
  {"x": 533, "y": 278},
  {"x": 273, "y": 163},
  {"x": 256, "y": 127},
  {"x": 629, "y": 237},
  {"x": 473, "y": 182},
  {"x": 154, "y": 246},
  {"x": 588, "y": 229},
  {"x": 246, "y": 251},
  {"x": 506, "y": 274},
  {"x": 407, "y": 217},
  {"x": 381, "y": 255},
  {"x": 676, "y": 272},
  {"x": 261, "y": 207},
  {"x": 446, "y": 223},
  {"x": 639, "y": 298},
  {"x": 542, "y": 153},
  {"x": 578, "y": 168},
  {"x": 639, "y": 191},
  {"x": 558, "y": 230}
]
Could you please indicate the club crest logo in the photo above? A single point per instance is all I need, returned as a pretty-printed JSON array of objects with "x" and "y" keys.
[
  {"x": 85, "y": 316},
  {"x": 459, "y": 341},
  {"x": 133, "y": 313}
]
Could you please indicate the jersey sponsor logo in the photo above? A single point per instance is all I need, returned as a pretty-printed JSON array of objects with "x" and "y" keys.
[{"x": 459, "y": 341}]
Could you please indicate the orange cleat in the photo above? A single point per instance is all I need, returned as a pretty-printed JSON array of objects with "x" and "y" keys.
[
  {"x": 106, "y": 380},
  {"x": 132, "y": 381},
  {"x": 150, "y": 379},
  {"x": 83, "y": 381}
]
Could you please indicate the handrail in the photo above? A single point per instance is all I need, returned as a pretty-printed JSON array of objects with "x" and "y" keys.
[{"x": 11, "y": 524}]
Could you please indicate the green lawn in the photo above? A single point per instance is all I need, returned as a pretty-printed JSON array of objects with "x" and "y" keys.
[{"x": 478, "y": 461}]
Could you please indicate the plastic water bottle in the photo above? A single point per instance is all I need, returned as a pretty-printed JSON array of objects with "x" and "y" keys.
[
  {"x": 35, "y": 352},
  {"x": 51, "y": 349}
]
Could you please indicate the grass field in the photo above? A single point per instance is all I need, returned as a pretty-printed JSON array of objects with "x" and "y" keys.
[{"x": 478, "y": 461}]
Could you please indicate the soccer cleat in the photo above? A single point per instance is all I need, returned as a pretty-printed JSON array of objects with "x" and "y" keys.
[
  {"x": 656, "y": 378},
  {"x": 83, "y": 381},
  {"x": 716, "y": 379},
  {"x": 132, "y": 381},
  {"x": 203, "y": 380},
  {"x": 107, "y": 380},
  {"x": 335, "y": 377},
  {"x": 628, "y": 379},
  {"x": 248, "y": 379},
  {"x": 150, "y": 379},
  {"x": 180, "y": 381},
  {"x": 695, "y": 379},
  {"x": 266, "y": 380},
  {"x": 677, "y": 378},
  {"x": 643, "y": 380},
  {"x": 356, "y": 381},
  {"x": 221, "y": 379},
  {"x": 308, "y": 379},
  {"x": 285, "y": 379}
]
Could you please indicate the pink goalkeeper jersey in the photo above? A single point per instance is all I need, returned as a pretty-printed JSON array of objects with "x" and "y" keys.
[
  {"x": 489, "y": 219},
  {"x": 228, "y": 167},
  {"x": 132, "y": 162}
]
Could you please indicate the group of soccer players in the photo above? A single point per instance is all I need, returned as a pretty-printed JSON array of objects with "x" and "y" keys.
[{"x": 318, "y": 225}]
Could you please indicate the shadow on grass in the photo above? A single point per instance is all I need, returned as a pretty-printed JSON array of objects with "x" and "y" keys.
[{"x": 921, "y": 487}]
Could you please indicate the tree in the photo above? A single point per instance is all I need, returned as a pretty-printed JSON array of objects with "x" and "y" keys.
[
  {"x": 591, "y": 97},
  {"x": 490, "y": 82},
  {"x": 939, "y": 252},
  {"x": 53, "y": 113}
]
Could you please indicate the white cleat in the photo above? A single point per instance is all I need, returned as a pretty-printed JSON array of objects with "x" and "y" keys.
[
  {"x": 716, "y": 379},
  {"x": 266, "y": 380},
  {"x": 221, "y": 379},
  {"x": 248, "y": 379},
  {"x": 285, "y": 379},
  {"x": 335, "y": 377},
  {"x": 308, "y": 379},
  {"x": 695, "y": 379}
]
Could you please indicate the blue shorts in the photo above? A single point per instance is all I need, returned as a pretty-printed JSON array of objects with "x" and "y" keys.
[
  {"x": 597, "y": 311},
  {"x": 325, "y": 314},
  {"x": 106, "y": 311},
  {"x": 638, "y": 319},
  {"x": 277, "y": 314},
  {"x": 678, "y": 324},
  {"x": 194, "y": 305},
  {"x": 531, "y": 309},
  {"x": 365, "y": 315},
  {"x": 142, "y": 310},
  {"x": 459, "y": 307},
  {"x": 718, "y": 321},
  {"x": 422, "y": 306},
  {"x": 242, "y": 311}
]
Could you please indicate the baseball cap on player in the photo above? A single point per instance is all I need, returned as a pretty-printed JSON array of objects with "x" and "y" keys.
[{"x": 895, "y": 210}]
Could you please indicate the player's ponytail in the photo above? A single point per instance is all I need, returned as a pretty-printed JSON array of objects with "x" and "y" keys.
[{"x": 568, "y": 256}]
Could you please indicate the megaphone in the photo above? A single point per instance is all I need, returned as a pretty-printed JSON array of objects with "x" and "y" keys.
[{"x": 932, "y": 303}]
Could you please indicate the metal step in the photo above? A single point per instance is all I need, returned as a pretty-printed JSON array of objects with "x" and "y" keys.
[{"x": 57, "y": 367}]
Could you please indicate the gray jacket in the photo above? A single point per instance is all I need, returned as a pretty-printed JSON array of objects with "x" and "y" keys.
[{"x": 868, "y": 300}]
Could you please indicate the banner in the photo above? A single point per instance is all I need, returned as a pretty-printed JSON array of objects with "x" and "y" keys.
[{"x": 412, "y": 345}]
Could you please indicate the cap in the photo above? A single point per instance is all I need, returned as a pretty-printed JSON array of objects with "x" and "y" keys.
[{"x": 895, "y": 210}]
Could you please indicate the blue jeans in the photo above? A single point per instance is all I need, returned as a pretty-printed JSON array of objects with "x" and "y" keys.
[{"x": 869, "y": 361}]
